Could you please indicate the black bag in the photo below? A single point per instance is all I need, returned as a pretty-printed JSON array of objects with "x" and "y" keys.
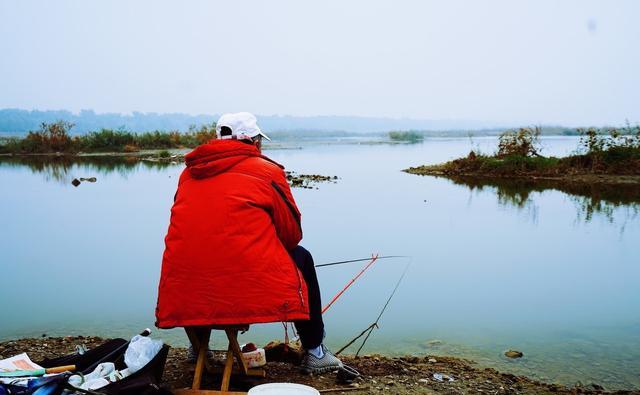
[{"x": 144, "y": 381}]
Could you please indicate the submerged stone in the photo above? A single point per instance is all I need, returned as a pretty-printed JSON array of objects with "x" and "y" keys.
[
  {"x": 513, "y": 354},
  {"x": 433, "y": 343}
]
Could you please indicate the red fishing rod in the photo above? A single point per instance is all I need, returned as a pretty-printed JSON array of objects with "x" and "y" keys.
[{"x": 373, "y": 259}]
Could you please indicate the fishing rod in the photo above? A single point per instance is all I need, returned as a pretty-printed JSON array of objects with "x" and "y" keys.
[
  {"x": 359, "y": 260},
  {"x": 356, "y": 338},
  {"x": 374, "y": 325},
  {"x": 373, "y": 259}
]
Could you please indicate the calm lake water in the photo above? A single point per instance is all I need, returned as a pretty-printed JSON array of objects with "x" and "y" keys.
[{"x": 551, "y": 272}]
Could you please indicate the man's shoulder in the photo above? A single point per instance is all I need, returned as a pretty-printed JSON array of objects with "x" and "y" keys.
[{"x": 264, "y": 165}]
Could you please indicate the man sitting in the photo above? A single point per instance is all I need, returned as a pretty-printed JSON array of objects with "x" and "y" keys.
[{"x": 231, "y": 252}]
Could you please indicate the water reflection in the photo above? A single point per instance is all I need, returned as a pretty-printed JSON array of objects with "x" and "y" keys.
[
  {"x": 60, "y": 168},
  {"x": 590, "y": 199},
  {"x": 66, "y": 169},
  {"x": 483, "y": 279}
]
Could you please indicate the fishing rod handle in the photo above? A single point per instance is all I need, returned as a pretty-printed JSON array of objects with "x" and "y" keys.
[{"x": 61, "y": 369}]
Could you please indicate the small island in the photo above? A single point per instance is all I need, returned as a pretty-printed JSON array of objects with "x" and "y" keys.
[{"x": 609, "y": 156}]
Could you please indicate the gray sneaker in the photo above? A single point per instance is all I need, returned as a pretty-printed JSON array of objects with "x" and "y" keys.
[
  {"x": 192, "y": 357},
  {"x": 312, "y": 364}
]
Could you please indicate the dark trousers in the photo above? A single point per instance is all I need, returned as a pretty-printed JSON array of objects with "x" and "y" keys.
[{"x": 311, "y": 331}]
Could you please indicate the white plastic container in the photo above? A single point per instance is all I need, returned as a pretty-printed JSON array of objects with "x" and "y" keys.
[
  {"x": 255, "y": 359},
  {"x": 283, "y": 389}
]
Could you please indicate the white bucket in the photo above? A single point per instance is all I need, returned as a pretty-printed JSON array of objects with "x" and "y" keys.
[{"x": 283, "y": 389}]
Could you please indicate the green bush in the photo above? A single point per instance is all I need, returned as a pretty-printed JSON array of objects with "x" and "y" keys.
[
  {"x": 410, "y": 136},
  {"x": 596, "y": 141},
  {"x": 610, "y": 150},
  {"x": 106, "y": 140}
]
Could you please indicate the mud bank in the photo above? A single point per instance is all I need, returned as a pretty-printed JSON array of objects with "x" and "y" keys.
[{"x": 586, "y": 179}]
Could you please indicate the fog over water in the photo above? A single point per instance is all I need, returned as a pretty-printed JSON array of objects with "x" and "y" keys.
[{"x": 537, "y": 61}]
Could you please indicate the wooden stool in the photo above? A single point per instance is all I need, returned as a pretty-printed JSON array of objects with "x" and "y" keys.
[{"x": 199, "y": 338}]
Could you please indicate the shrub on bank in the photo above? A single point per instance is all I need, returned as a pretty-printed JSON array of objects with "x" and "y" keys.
[
  {"x": 9, "y": 145},
  {"x": 594, "y": 140},
  {"x": 51, "y": 137},
  {"x": 521, "y": 143},
  {"x": 106, "y": 140},
  {"x": 408, "y": 136},
  {"x": 55, "y": 137},
  {"x": 197, "y": 136}
]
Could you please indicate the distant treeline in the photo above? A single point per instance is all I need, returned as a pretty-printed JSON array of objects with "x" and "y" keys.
[
  {"x": 56, "y": 137},
  {"x": 418, "y": 135},
  {"x": 20, "y": 122}
]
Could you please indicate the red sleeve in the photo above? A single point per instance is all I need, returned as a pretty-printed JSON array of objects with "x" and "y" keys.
[{"x": 285, "y": 213}]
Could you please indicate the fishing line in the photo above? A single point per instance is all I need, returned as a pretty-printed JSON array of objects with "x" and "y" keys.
[
  {"x": 360, "y": 260},
  {"x": 374, "y": 325}
]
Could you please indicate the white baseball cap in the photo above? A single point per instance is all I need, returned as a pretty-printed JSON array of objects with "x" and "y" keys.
[{"x": 243, "y": 125}]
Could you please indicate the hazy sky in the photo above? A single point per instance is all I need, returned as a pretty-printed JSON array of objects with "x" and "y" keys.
[{"x": 570, "y": 62}]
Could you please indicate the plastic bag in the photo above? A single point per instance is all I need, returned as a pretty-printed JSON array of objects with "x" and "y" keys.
[
  {"x": 103, "y": 375},
  {"x": 140, "y": 352}
]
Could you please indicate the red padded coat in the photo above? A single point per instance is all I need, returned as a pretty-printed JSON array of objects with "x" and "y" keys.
[{"x": 226, "y": 257}]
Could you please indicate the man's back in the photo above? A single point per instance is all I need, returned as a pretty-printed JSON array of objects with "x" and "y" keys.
[{"x": 226, "y": 259}]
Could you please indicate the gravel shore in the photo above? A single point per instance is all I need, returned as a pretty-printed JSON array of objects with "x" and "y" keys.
[{"x": 380, "y": 374}]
